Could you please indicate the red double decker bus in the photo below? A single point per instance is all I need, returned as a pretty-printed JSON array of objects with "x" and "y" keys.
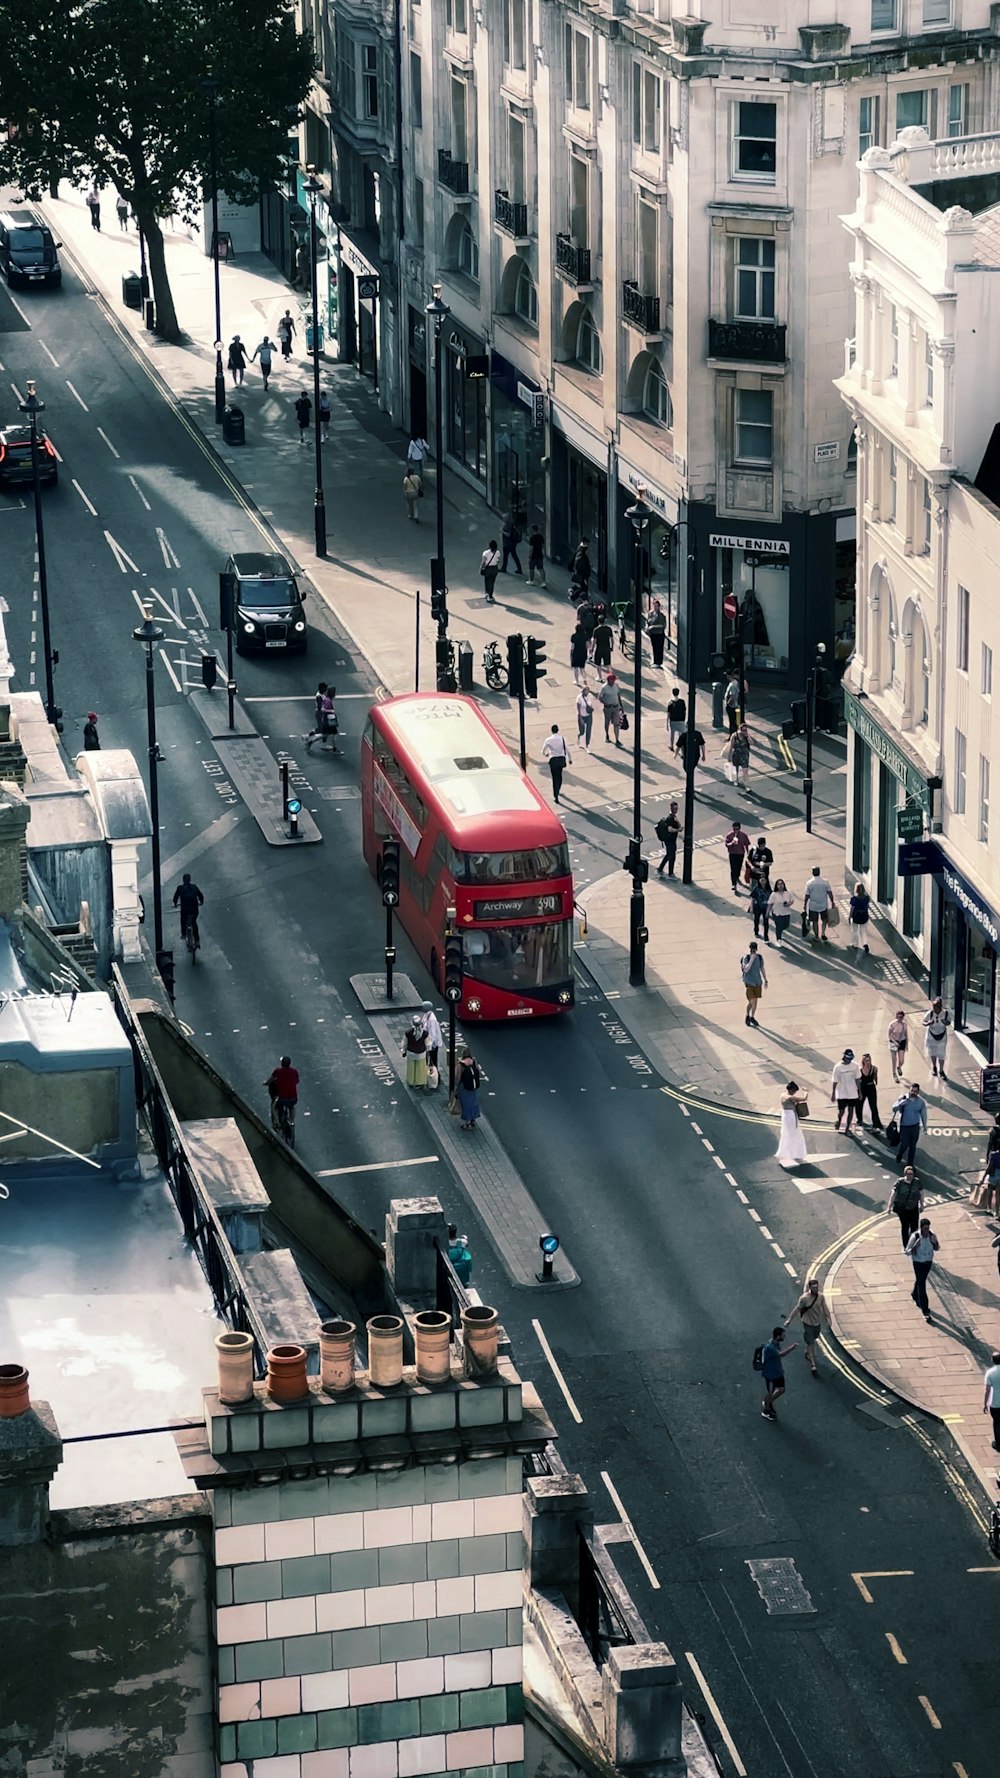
[{"x": 474, "y": 834}]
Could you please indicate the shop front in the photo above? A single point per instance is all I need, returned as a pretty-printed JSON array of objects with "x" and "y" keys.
[
  {"x": 884, "y": 779},
  {"x": 579, "y": 490},
  {"x": 360, "y": 297},
  {"x": 964, "y": 955},
  {"x": 664, "y": 547},
  {"x": 517, "y": 418},
  {"x": 466, "y": 370}
]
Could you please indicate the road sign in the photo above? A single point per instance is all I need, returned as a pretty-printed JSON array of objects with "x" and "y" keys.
[
  {"x": 989, "y": 1089},
  {"x": 909, "y": 824},
  {"x": 917, "y": 859},
  {"x": 729, "y": 606}
]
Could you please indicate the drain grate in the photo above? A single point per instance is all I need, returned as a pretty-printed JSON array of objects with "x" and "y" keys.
[{"x": 781, "y": 1587}]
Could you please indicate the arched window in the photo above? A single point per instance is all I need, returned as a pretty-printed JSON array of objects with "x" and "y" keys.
[
  {"x": 588, "y": 345},
  {"x": 656, "y": 404},
  {"x": 468, "y": 253},
  {"x": 892, "y": 643},
  {"x": 526, "y": 297}
]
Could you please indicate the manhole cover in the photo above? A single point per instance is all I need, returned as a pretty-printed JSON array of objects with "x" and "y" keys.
[{"x": 779, "y": 1584}]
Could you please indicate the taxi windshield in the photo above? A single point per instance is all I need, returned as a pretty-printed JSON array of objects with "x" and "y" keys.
[{"x": 265, "y": 593}]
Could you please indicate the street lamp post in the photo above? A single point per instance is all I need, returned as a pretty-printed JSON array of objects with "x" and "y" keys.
[
  {"x": 438, "y": 312},
  {"x": 807, "y": 782},
  {"x": 314, "y": 188},
  {"x": 32, "y": 407},
  {"x": 639, "y": 514},
  {"x": 150, "y": 635},
  {"x": 211, "y": 88},
  {"x": 690, "y": 753}
]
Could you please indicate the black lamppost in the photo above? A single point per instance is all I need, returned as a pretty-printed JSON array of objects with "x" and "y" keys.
[
  {"x": 640, "y": 515},
  {"x": 314, "y": 188},
  {"x": 690, "y": 751},
  {"x": 150, "y": 635},
  {"x": 438, "y": 312},
  {"x": 211, "y": 88},
  {"x": 32, "y": 407},
  {"x": 812, "y": 688}
]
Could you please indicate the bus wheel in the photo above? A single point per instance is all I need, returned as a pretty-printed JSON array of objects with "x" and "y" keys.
[{"x": 434, "y": 971}]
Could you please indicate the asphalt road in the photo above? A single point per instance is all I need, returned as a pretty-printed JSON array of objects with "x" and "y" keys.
[{"x": 877, "y": 1676}]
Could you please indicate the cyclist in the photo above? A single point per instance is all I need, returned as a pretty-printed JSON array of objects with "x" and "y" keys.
[
  {"x": 283, "y": 1085},
  {"x": 189, "y": 898}
]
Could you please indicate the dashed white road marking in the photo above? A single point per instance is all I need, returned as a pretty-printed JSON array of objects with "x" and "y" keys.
[
  {"x": 78, "y": 396},
  {"x": 557, "y": 1373},
  {"x": 111, "y": 448}
]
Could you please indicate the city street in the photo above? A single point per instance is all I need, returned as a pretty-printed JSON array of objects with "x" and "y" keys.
[{"x": 821, "y": 1582}]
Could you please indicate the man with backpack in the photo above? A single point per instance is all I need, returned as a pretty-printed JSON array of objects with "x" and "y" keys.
[
  {"x": 768, "y": 1360},
  {"x": 668, "y": 830}
]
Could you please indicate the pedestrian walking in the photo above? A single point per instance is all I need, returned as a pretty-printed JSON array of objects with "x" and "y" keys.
[
  {"x": 584, "y": 716},
  {"x": 985, "y": 1190},
  {"x": 510, "y": 537},
  {"x": 731, "y": 703},
  {"x": 315, "y": 733},
  {"x": 265, "y": 352},
  {"x": 676, "y": 718},
  {"x": 581, "y": 569},
  {"x": 817, "y": 900},
  {"x": 489, "y": 568},
  {"x": 899, "y": 1043},
  {"x": 325, "y": 727},
  {"x": 430, "y": 1024},
  {"x": 559, "y": 757},
  {"x": 759, "y": 860},
  {"x": 470, "y": 1078},
  {"x": 936, "y": 1024},
  {"x": 414, "y": 1052},
  {"x": 690, "y": 746},
  {"x": 754, "y": 980},
  {"x": 237, "y": 359},
  {"x": 121, "y": 206},
  {"x": 844, "y": 1089},
  {"x": 737, "y": 844},
  {"x": 858, "y": 917},
  {"x": 773, "y": 1372},
  {"x": 578, "y": 644},
  {"x": 906, "y": 1200},
  {"x": 416, "y": 453},
  {"x": 737, "y": 753},
  {"x": 536, "y": 557},
  {"x": 656, "y": 630},
  {"x": 760, "y": 906},
  {"x": 780, "y": 907},
  {"x": 991, "y": 1396},
  {"x": 812, "y": 1311},
  {"x": 602, "y": 638},
  {"x": 303, "y": 414},
  {"x": 610, "y": 699},
  {"x": 791, "y": 1150},
  {"x": 912, "y": 1118},
  {"x": 411, "y": 494},
  {"x": 868, "y": 1092},
  {"x": 94, "y": 206},
  {"x": 285, "y": 330},
  {"x": 325, "y": 416},
  {"x": 586, "y": 614},
  {"x": 921, "y": 1247},
  {"x": 668, "y": 830},
  {"x": 91, "y": 738},
  {"x": 460, "y": 1254}
]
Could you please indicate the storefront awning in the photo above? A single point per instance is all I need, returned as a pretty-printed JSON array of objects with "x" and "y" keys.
[{"x": 890, "y": 750}]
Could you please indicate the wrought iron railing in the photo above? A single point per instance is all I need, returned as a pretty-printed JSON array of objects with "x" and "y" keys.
[
  {"x": 640, "y": 308},
  {"x": 453, "y": 174},
  {"x": 572, "y": 261},
  {"x": 510, "y": 216},
  {"x": 760, "y": 341}
]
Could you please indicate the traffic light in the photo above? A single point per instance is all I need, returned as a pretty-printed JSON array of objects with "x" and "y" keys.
[
  {"x": 515, "y": 666},
  {"x": 533, "y": 669},
  {"x": 390, "y": 873},
  {"x": 636, "y": 865},
  {"x": 453, "y": 966},
  {"x": 439, "y": 606},
  {"x": 733, "y": 654},
  {"x": 227, "y": 600}
]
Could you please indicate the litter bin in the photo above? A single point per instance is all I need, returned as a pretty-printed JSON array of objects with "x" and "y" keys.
[
  {"x": 465, "y": 666},
  {"x": 234, "y": 426},
  {"x": 132, "y": 290},
  {"x": 718, "y": 703}
]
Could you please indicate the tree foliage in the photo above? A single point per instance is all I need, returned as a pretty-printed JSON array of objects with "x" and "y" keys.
[{"x": 114, "y": 92}]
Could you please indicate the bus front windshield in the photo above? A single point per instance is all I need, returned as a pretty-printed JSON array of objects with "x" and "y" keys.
[
  {"x": 520, "y": 957},
  {"x": 539, "y": 864}
]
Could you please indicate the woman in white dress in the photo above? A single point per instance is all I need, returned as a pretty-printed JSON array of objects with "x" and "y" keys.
[
  {"x": 792, "y": 1147},
  {"x": 936, "y": 1023}
]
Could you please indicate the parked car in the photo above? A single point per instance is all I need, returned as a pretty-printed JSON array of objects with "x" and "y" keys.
[
  {"x": 15, "y": 456},
  {"x": 267, "y": 602},
  {"x": 28, "y": 253}
]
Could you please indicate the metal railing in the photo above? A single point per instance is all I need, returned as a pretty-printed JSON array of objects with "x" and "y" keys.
[
  {"x": 641, "y": 309},
  {"x": 509, "y": 215},
  {"x": 572, "y": 261},
  {"x": 762, "y": 342},
  {"x": 607, "y": 1617},
  {"x": 453, "y": 174}
]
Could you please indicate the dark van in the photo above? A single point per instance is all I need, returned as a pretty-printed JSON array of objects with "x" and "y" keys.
[
  {"x": 28, "y": 253},
  {"x": 266, "y": 602}
]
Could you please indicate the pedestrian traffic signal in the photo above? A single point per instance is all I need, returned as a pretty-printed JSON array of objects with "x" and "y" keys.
[
  {"x": 515, "y": 665},
  {"x": 733, "y": 654},
  {"x": 533, "y": 669},
  {"x": 227, "y": 600},
  {"x": 439, "y": 606},
  {"x": 636, "y": 865},
  {"x": 453, "y": 966},
  {"x": 390, "y": 873}
]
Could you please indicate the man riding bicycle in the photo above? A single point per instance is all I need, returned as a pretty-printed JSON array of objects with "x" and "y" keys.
[
  {"x": 189, "y": 898},
  {"x": 283, "y": 1085}
]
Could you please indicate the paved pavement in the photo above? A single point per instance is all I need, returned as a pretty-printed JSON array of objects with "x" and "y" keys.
[{"x": 689, "y": 1017}]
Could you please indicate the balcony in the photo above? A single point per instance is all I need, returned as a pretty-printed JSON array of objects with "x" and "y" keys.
[
  {"x": 572, "y": 262},
  {"x": 512, "y": 218},
  {"x": 453, "y": 174},
  {"x": 760, "y": 342},
  {"x": 639, "y": 308}
]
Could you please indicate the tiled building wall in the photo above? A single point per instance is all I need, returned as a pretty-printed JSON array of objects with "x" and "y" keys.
[{"x": 369, "y": 1626}]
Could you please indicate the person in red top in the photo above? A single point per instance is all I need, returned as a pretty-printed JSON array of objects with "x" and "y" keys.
[
  {"x": 283, "y": 1084},
  {"x": 737, "y": 844}
]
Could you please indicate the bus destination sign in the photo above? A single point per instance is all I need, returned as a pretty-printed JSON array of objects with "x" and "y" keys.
[{"x": 525, "y": 907}]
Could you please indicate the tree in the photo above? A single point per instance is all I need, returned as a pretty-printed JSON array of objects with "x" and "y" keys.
[{"x": 114, "y": 92}]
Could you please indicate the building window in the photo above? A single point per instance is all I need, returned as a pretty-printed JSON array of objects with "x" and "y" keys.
[
  {"x": 852, "y": 454},
  {"x": 588, "y": 345},
  {"x": 515, "y": 159},
  {"x": 755, "y": 427},
  {"x": 891, "y": 637},
  {"x": 755, "y": 145},
  {"x": 656, "y": 403},
  {"x": 986, "y": 671},
  {"x": 884, "y": 15},
  {"x": 457, "y": 14},
  {"x": 916, "y": 108},
  {"x": 646, "y": 92},
  {"x": 579, "y": 199},
  {"x": 648, "y": 242},
  {"x": 958, "y": 110},
  {"x": 936, "y": 13},
  {"x": 418, "y": 212},
  {"x": 958, "y": 797},
  {"x": 754, "y": 278},
  {"x": 416, "y": 92},
  {"x": 869, "y": 123},
  {"x": 346, "y": 80},
  {"x": 459, "y": 121},
  {"x": 893, "y": 340},
  {"x": 928, "y": 372},
  {"x": 962, "y": 633},
  {"x": 526, "y": 298},
  {"x": 928, "y": 518},
  {"x": 578, "y": 68},
  {"x": 515, "y": 33},
  {"x": 891, "y": 469},
  {"x": 369, "y": 78},
  {"x": 468, "y": 253},
  {"x": 984, "y": 800},
  {"x": 925, "y": 681}
]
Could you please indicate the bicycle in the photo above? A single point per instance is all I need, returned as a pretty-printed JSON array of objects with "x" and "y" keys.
[
  {"x": 191, "y": 937},
  {"x": 283, "y": 1119},
  {"x": 497, "y": 677}
]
